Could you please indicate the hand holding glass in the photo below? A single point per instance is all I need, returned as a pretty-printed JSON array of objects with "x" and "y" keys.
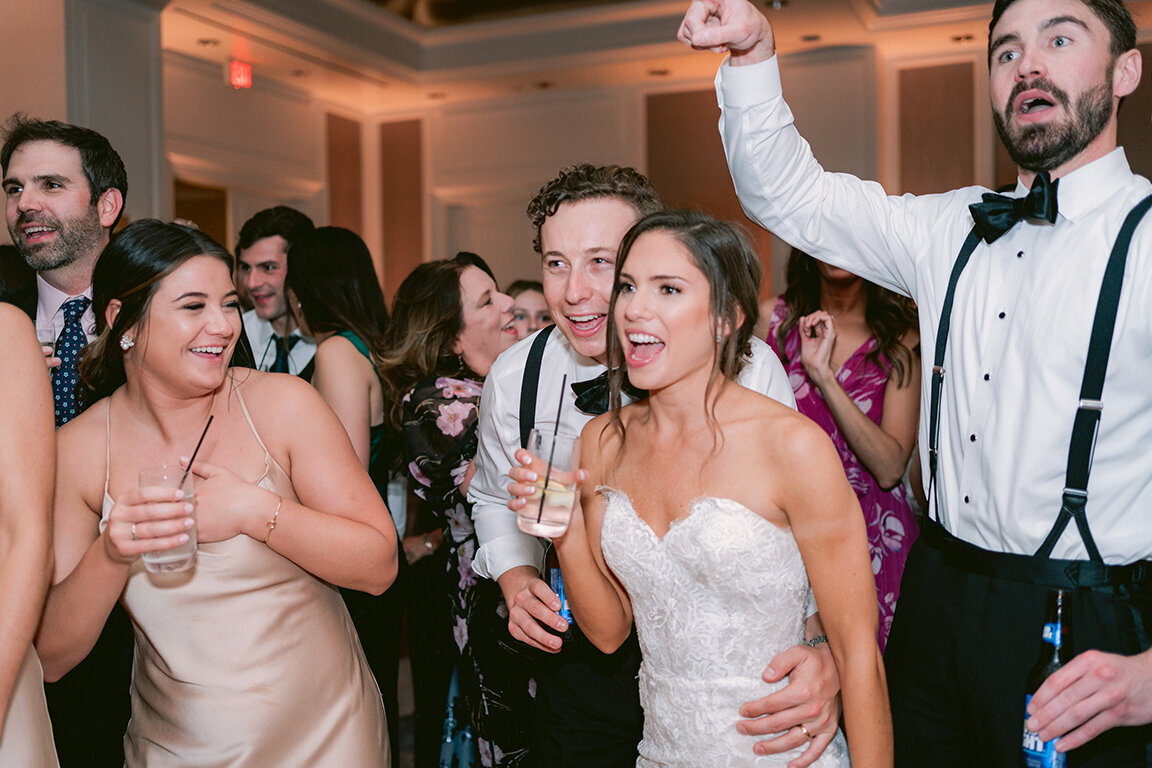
[
  {"x": 548, "y": 511},
  {"x": 182, "y": 557},
  {"x": 46, "y": 335}
]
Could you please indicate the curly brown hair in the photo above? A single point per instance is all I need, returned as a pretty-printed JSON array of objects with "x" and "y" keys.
[{"x": 586, "y": 182}]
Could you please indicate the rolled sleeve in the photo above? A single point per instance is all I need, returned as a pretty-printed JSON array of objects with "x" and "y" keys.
[{"x": 502, "y": 545}]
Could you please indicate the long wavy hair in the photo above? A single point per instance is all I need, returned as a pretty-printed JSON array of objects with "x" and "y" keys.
[
  {"x": 888, "y": 315},
  {"x": 130, "y": 269},
  {"x": 330, "y": 270},
  {"x": 723, "y": 252},
  {"x": 427, "y": 318}
]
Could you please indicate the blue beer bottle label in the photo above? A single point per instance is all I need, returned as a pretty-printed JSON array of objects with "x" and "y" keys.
[
  {"x": 1051, "y": 634},
  {"x": 557, "y": 585},
  {"x": 1037, "y": 753}
]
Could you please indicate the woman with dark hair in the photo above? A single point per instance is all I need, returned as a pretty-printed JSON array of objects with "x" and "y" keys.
[
  {"x": 248, "y": 657},
  {"x": 706, "y": 509},
  {"x": 27, "y": 454},
  {"x": 851, "y": 351},
  {"x": 331, "y": 275},
  {"x": 449, "y": 322}
]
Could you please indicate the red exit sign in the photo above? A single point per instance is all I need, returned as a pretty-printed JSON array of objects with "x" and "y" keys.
[{"x": 239, "y": 74}]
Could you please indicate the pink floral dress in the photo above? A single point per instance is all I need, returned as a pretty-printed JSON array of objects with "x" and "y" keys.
[
  {"x": 440, "y": 418},
  {"x": 891, "y": 522}
]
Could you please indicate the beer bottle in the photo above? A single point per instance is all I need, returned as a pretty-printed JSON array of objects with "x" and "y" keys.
[{"x": 1055, "y": 652}]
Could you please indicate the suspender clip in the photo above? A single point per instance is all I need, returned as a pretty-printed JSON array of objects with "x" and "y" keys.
[
  {"x": 1075, "y": 492},
  {"x": 1092, "y": 405},
  {"x": 937, "y": 370}
]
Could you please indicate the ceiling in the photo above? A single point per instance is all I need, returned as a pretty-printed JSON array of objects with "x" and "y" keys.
[{"x": 378, "y": 57}]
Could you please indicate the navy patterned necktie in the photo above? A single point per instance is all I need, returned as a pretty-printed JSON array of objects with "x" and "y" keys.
[{"x": 68, "y": 346}]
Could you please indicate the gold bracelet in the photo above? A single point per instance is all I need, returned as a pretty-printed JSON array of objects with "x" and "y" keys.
[{"x": 272, "y": 523}]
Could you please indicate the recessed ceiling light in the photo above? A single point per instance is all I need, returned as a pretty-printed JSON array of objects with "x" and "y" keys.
[
  {"x": 810, "y": 38},
  {"x": 299, "y": 73},
  {"x": 963, "y": 38},
  {"x": 775, "y": 4},
  {"x": 659, "y": 72},
  {"x": 437, "y": 95},
  {"x": 544, "y": 84},
  {"x": 207, "y": 42}
]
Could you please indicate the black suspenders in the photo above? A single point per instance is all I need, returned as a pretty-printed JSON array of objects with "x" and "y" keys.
[
  {"x": 1087, "y": 422},
  {"x": 531, "y": 383}
]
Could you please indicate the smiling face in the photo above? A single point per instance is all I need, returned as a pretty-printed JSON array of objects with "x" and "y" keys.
[
  {"x": 578, "y": 244},
  {"x": 529, "y": 313},
  {"x": 1053, "y": 84},
  {"x": 487, "y": 316},
  {"x": 663, "y": 313},
  {"x": 261, "y": 273},
  {"x": 49, "y": 208},
  {"x": 187, "y": 337}
]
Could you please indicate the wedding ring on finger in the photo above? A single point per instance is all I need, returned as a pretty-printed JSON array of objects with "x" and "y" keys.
[
  {"x": 135, "y": 539},
  {"x": 801, "y": 727}
]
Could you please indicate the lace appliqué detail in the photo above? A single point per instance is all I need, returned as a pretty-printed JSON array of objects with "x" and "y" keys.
[{"x": 714, "y": 600}]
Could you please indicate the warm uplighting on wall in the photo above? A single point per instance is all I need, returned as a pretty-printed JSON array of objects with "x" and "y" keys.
[{"x": 239, "y": 74}]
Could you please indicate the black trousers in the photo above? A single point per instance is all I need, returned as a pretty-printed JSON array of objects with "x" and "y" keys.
[
  {"x": 378, "y": 620},
  {"x": 588, "y": 706},
  {"x": 962, "y": 644},
  {"x": 91, "y": 705}
]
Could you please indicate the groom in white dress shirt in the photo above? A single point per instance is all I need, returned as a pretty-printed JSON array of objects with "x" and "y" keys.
[
  {"x": 587, "y": 702},
  {"x": 1011, "y": 470}
]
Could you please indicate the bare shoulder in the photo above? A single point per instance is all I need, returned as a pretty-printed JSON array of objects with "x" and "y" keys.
[
  {"x": 337, "y": 348},
  {"x": 81, "y": 445},
  {"x": 600, "y": 437},
  {"x": 271, "y": 391},
  {"x": 781, "y": 436},
  {"x": 338, "y": 354},
  {"x": 13, "y": 320}
]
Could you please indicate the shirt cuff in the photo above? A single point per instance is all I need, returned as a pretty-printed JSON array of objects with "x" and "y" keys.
[
  {"x": 749, "y": 85},
  {"x": 508, "y": 552}
]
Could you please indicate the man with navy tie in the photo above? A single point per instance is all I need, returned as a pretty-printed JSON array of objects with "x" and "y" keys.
[
  {"x": 279, "y": 344},
  {"x": 64, "y": 188}
]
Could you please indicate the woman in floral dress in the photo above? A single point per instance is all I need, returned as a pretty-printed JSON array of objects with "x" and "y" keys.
[
  {"x": 449, "y": 322},
  {"x": 851, "y": 351}
]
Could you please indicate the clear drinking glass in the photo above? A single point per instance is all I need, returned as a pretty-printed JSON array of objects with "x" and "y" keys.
[
  {"x": 180, "y": 558},
  {"x": 46, "y": 335},
  {"x": 549, "y": 509}
]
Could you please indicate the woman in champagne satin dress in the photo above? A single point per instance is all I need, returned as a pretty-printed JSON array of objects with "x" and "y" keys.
[{"x": 249, "y": 658}]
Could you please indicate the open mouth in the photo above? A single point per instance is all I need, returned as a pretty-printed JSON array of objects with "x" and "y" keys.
[
  {"x": 510, "y": 327},
  {"x": 642, "y": 348},
  {"x": 208, "y": 351},
  {"x": 586, "y": 325},
  {"x": 1031, "y": 105},
  {"x": 37, "y": 232}
]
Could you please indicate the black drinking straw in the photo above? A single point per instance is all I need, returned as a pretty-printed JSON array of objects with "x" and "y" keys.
[
  {"x": 551, "y": 453},
  {"x": 195, "y": 451}
]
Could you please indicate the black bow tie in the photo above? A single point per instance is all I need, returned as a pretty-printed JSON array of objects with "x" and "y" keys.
[
  {"x": 592, "y": 395},
  {"x": 998, "y": 213}
]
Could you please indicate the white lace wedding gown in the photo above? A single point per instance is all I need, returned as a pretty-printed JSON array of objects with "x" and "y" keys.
[{"x": 714, "y": 600}]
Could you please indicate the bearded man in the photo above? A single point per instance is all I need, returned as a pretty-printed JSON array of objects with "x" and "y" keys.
[
  {"x": 64, "y": 189},
  {"x": 1040, "y": 381}
]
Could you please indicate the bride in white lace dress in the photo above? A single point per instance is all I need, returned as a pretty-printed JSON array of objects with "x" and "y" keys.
[{"x": 706, "y": 510}]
